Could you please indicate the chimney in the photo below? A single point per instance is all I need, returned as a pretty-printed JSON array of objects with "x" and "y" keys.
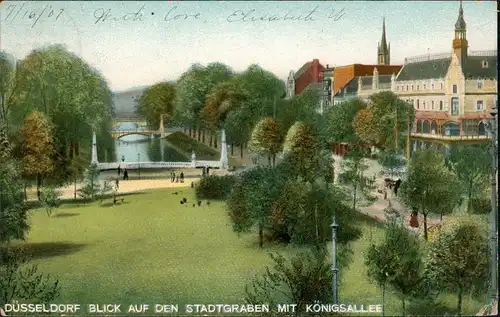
[{"x": 315, "y": 70}]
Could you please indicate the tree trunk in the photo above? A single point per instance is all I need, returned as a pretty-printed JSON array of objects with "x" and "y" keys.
[
  {"x": 469, "y": 201},
  {"x": 404, "y": 310},
  {"x": 269, "y": 160},
  {"x": 25, "y": 191},
  {"x": 354, "y": 199},
  {"x": 232, "y": 149},
  {"x": 241, "y": 150},
  {"x": 185, "y": 130},
  {"x": 316, "y": 221},
  {"x": 459, "y": 304},
  {"x": 383, "y": 299},
  {"x": 203, "y": 136},
  {"x": 71, "y": 150},
  {"x": 199, "y": 134},
  {"x": 77, "y": 149},
  {"x": 210, "y": 141},
  {"x": 261, "y": 236},
  {"x": 38, "y": 185},
  {"x": 425, "y": 225},
  {"x": 190, "y": 131},
  {"x": 441, "y": 216},
  {"x": 74, "y": 194},
  {"x": 215, "y": 142},
  {"x": 274, "y": 160}
]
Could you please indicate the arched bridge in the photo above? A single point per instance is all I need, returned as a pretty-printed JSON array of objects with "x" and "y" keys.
[{"x": 120, "y": 133}]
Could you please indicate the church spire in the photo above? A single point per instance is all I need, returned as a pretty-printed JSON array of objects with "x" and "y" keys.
[
  {"x": 460, "y": 41},
  {"x": 383, "y": 54}
]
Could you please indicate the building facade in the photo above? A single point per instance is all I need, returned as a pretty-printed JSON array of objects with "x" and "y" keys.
[
  {"x": 359, "y": 80},
  {"x": 310, "y": 74},
  {"x": 452, "y": 93}
]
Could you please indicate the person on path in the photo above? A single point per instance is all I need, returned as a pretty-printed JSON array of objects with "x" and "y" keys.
[
  {"x": 117, "y": 183},
  {"x": 396, "y": 186},
  {"x": 119, "y": 170},
  {"x": 125, "y": 174},
  {"x": 173, "y": 177},
  {"x": 208, "y": 170},
  {"x": 177, "y": 179},
  {"x": 182, "y": 177}
]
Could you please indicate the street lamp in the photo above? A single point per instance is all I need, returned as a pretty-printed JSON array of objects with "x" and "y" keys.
[
  {"x": 139, "y": 164},
  {"x": 334, "y": 262},
  {"x": 491, "y": 125}
]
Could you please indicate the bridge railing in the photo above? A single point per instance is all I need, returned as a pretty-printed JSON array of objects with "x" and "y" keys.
[{"x": 137, "y": 165}]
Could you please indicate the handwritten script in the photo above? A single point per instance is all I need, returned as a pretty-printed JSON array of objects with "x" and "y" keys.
[
  {"x": 23, "y": 12},
  {"x": 103, "y": 15}
]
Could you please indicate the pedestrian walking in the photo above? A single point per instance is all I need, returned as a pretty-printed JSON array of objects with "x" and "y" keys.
[
  {"x": 125, "y": 174},
  {"x": 177, "y": 179},
  {"x": 204, "y": 171},
  {"x": 173, "y": 177},
  {"x": 208, "y": 170},
  {"x": 119, "y": 170},
  {"x": 182, "y": 177},
  {"x": 117, "y": 183}
]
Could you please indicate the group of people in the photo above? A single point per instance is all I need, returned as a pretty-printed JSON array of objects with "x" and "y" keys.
[
  {"x": 206, "y": 170},
  {"x": 392, "y": 185},
  {"x": 125, "y": 172},
  {"x": 174, "y": 178}
]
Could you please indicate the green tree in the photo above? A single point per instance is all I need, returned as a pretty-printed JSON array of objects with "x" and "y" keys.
[
  {"x": 396, "y": 262},
  {"x": 74, "y": 96},
  {"x": 192, "y": 89},
  {"x": 390, "y": 117},
  {"x": 91, "y": 186},
  {"x": 472, "y": 164},
  {"x": 50, "y": 199},
  {"x": 353, "y": 167},
  {"x": 301, "y": 279},
  {"x": 392, "y": 162},
  {"x": 249, "y": 204},
  {"x": 155, "y": 102},
  {"x": 266, "y": 139},
  {"x": 427, "y": 188},
  {"x": 458, "y": 256},
  {"x": 364, "y": 126},
  {"x": 341, "y": 118},
  {"x": 23, "y": 282},
  {"x": 302, "y": 147},
  {"x": 13, "y": 212},
  {"x": 8, "y": 86},
  {"x": 35, "y": 147}
]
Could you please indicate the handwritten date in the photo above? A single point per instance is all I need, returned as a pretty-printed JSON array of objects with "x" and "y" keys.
[{"x": 23, "y": 12}]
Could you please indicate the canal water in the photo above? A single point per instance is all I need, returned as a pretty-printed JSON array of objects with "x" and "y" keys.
[{"x": 136, "y": 147}]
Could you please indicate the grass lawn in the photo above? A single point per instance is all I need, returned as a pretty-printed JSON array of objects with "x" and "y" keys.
[{"x": 153, "y": 250}]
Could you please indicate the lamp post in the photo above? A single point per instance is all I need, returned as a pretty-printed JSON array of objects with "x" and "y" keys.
[
  {"x": 139, "y": 164},
  {"x": 334, "y": 262},
  {"x": 492, "y": 129}
]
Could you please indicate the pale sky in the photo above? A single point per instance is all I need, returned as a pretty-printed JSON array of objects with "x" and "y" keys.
[{"x": 144, "y": 48}]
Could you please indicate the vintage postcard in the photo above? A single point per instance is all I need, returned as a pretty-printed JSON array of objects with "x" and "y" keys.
[{"x": 248, "y": 158}]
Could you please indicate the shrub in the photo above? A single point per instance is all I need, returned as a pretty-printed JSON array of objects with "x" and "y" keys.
[
  {"x": 480, "y": 205},
  {"x": 215, "y": 187}
]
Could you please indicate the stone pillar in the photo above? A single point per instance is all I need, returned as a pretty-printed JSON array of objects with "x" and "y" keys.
[
  {"x": 223, "y": 150},
  {"x": 193, "y": 160},
  {"x": 94, "y": 150},
  {"x": 162, "y": 149},
  {"x": 162, "y": 127}
]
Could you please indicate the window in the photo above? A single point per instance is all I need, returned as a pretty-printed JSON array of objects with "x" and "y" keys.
[
  {"x": 441, "y": 85},
  {"x": 417, "y": 87},
  {"x": 479, "y": 84},
  {"x": 412, "y": 87},
  {"x": 424, "y": 86},
  {"x": 397, "y": 87},
  {"x": 454, "y": 106},
  {"x": 432, "y": 103},
  {"x": 406, "y": 87},
  {"x": 423, "y": 104},
  {"x": 440, "y": 105},
  {"x": 432, "y": 86},
  {"x": 479, "y": 105},
  {"x": 454, "y": 89},
  {"x": 418, "y": 104}
]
